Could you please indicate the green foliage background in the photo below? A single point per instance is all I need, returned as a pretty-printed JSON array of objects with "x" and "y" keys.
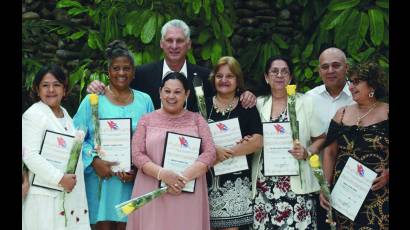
[{"x": 359, "y": 27}]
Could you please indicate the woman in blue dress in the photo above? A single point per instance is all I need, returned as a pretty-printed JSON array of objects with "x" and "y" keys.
[{"x": 104, "y": 188}]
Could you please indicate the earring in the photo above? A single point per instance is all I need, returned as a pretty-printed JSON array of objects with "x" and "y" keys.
[{"x": 371, "y": 94}]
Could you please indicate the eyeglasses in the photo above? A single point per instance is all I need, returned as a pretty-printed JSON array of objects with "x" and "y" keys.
[
  {"x": 275, "y": 72},
  {"x": 355, "y": 81}
]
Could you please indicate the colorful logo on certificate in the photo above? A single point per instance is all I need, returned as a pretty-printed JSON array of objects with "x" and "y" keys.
[
  {"x": 61, "y": 142},
  {"x": 183, "y": 142},
  {"x": 279, "y": 128},
  {"x": 222, "y": 127},
  {"x": 360, "y": 169},
  {"x": 112, "y": 125}
]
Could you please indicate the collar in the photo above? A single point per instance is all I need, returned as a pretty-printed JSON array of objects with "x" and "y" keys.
[
  {"x": 166, "y": 69},
  {"x": 322, "y": 90}
]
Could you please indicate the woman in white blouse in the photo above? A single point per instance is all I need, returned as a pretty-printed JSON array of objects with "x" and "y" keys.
[{"x": 45, "y": 208}]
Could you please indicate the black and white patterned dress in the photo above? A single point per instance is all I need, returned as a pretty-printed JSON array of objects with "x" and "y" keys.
[
  {"x": 276, "y": 205},
  {"x": 230, "y": 203}
]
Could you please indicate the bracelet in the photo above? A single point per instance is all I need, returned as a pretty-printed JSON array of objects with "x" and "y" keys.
[{"x": 159, "y": 173}]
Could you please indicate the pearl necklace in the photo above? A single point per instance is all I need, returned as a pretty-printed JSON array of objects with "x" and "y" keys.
[
  {"x": 225, "y": 110},
  {"x": 359, "y": 119}
]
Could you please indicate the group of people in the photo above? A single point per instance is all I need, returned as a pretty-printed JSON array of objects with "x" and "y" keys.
[{"x": 342, "y": 118}]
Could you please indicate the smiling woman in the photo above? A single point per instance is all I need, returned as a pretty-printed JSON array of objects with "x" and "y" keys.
[{"x": 42, "y": 207}]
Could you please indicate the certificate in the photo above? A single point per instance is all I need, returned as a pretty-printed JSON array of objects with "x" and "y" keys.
[
  {"x": 55, "y": 149},
  {"x": 226, "y": 133},
  {"x": 351, "y": 188},
  {"x": 116, "y": 142},
  {"x": 277, "y": 140},
  {"x": 180, "y": 152}
]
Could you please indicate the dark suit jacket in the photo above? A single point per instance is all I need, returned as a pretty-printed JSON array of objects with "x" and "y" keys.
[{"x": 148, "y": 79}]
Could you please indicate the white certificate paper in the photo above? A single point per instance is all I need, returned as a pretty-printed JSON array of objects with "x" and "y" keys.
[
  {"x": 351, "y": 188},
  {"x": 180, "y": 152},
  {"x": 277, "y": 140},
  {"x": 116, "y": 142},
  {"x": 56, "y": 148},
  {"x": 226, "y": 133}
]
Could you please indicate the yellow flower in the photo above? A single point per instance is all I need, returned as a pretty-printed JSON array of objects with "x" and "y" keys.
[
  {"x": 314, "y": 161},
  {"x": 127, "y": 209},
  {"x": 93, "y": 99},
  {"x": 291, "y": 89}
]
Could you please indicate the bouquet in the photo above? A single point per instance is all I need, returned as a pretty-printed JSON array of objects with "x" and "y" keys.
[
  {"x": 96, "y": 122},
  {"x": 129, "y": 206},
  {"x": 314, "y": 163},
  {"x": 294, "y": 124}
]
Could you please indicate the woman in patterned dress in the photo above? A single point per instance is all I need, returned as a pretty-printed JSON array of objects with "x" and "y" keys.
[
  {"x": 230, "y": 200},
  {"x": 286, "y": 202},
  {"x": 361, "y": 131}
]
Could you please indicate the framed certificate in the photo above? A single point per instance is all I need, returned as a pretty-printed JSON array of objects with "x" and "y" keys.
[
  {"x": 180, "y": 152},
  {"x": 277, "y": 140},
  {"x": 116, "y": 142},
  {"x": 226, "y": 133},
  {"x": 351, "y": 188},
  {"x": 55, "y": 149}
]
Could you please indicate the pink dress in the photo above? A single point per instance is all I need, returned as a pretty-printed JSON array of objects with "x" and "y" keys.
[{"x": 185, "y": 211}]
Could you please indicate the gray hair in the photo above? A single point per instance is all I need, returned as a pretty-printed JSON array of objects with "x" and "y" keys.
[{"x": 175, "y": 23}]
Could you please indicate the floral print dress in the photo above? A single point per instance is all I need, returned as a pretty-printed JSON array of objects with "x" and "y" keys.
[{"x": 276, "y": 206}]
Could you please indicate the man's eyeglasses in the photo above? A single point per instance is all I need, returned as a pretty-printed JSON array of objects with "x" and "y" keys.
[{"x": 275, "y": 72}]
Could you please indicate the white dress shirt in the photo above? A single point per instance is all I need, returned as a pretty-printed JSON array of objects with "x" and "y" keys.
[
  {"x": 166, "y": 69},
  {"x": 326, "y": 105}
]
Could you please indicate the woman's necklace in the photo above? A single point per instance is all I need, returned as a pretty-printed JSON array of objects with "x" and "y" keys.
[
  {"x": 359, "y": 119},
  {"x": 225, "y": 109},
  {"x": 117, "y": 96}
]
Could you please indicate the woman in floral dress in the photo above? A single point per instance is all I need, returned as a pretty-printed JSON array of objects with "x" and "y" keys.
[{"x": 286, "y": 202}]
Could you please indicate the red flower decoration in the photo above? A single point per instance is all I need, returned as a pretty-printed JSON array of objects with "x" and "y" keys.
[{"x": 62, "y": 213}]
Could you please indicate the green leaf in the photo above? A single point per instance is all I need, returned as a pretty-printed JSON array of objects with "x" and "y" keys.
[
  {"x": 148, "y": 31},
  {"x": 216, "y": 52},
  {"x": 63, "y": 30},
  {"x": 191, "y": 57},
  {"x": 308, "y": 73},
  {"x": 281, "y": 43},
  {"x": 363, "y": 56},
  {"x": 356, "y": 40},
  {"x": 335, "y": 5},
  {"x": 386, "y": 37},
  {"x": 196, "y": 5},
  {"x": 376, "y": 26},
  {"x": 94, "y": 41},
  {"x": 346, "y": 31},
  {"x": 216, "y": 28},
  {"x": 226, "y": 26},
  {"x": 308, "y": 51},
  {"x": 206, "y": 52},
  {"x": 68, "y": 3},
  {"x": 76, "y": 11},
  {"x": 220, "y": 6},
  {"x": 76, "y": 35},
  {"x": 77, "y": 75},
  {"x": 383, "y": 62},
  {"x": 338, "y": 20},
  {"x": 383, "y": 3},
  {"x": 137, "y": 57},
  {"x": 204, "y": 36},
  {"x": 139, "y": 2},
  {"x": 207, "y": 8}
]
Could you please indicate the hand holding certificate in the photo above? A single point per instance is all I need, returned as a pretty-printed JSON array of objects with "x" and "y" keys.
[
  {"x": 351, "y": 188},
  {"x": 225, "y": 134},
  {"x": 180, "y": 152}
]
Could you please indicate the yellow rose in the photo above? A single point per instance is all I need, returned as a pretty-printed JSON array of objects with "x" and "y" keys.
[
  {"x": 291, "y": 89},
  {"x": 93, "y": 99},
  {"x": 127, "y": 209},
  {"x": 314, "y": 161}
]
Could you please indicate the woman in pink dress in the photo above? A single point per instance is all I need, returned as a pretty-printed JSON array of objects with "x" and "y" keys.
[{"x": 176, "y": 209}]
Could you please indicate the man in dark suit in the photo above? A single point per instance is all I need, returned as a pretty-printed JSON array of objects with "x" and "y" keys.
[{"x": 175, "y": 43}]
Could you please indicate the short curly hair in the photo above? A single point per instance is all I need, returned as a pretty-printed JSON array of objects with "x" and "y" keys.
[{"x": 373, "y": 74}]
